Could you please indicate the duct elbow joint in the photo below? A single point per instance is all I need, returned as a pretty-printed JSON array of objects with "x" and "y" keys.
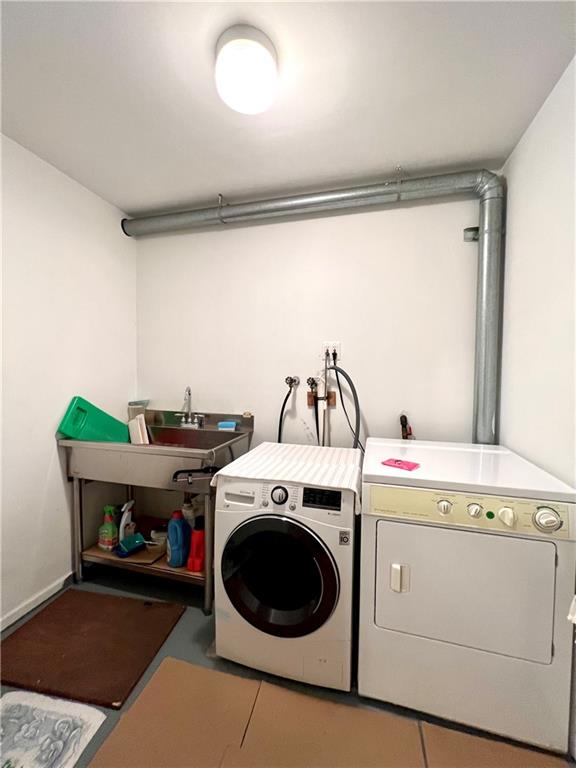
[{"x": 489, "y": 185}]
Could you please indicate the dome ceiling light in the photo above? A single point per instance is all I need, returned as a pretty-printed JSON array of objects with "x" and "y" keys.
[{"x": 246, "y": 70}]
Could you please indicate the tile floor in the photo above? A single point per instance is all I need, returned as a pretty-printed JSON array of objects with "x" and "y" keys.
[{"x": 192, "y": 640}]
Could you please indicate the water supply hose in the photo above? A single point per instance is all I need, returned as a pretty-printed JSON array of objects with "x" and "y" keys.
[
  {"x": 292, "y": 382},
  {"x": 342, "y": 372}
]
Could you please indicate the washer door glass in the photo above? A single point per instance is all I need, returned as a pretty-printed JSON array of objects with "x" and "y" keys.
[{"x": 280, "y": 576}]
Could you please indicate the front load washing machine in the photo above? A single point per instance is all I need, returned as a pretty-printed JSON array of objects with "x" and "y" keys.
[
  {"x": 283, "y": 561},
  {"x": 467, "y": 574}
]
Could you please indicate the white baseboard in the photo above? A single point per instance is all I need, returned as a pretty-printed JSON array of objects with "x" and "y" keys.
[{"x": 33, "y": 602}]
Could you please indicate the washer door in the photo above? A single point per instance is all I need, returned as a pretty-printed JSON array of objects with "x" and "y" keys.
[{"x": 280, "y": 576}]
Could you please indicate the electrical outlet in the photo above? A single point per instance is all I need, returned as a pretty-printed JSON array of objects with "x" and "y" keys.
[{"x": 330, "y": 345}]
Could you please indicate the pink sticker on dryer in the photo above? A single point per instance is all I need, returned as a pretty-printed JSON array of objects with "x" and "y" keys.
[{"x": 401, "y": 464}]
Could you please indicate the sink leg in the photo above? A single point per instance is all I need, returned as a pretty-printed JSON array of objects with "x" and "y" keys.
[
  {"x": 77, "y": 528},
  {"x": 209, "y": 553}
]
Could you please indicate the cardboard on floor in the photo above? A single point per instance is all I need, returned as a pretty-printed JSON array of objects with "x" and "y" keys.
[
  {"x": 446, "y": 748},
  {"x": 186, "y": 716},
  {"x": 292, "y": 729},
  {"x": 192, "y": 717}
]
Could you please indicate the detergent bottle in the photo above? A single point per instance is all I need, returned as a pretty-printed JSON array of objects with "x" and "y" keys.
[
  {"x": 108, "y": 531},
  {"x": 197, "y": 547},
  {"x": 178, "y": 540}
]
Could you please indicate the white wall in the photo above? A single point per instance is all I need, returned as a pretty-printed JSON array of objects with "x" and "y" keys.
[
  {"x": 538, "y": 384},
  {"x": 69, "y": 327},
  {"x": 233, "y": 312}
]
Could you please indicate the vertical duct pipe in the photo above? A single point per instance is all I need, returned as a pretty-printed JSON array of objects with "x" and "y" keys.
[
  {"x": 483, "y": 184},
  {"x": 489, "y": 298}
]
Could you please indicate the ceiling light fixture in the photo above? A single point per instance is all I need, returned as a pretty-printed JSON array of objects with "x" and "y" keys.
[{"x": 246, "y": 70}]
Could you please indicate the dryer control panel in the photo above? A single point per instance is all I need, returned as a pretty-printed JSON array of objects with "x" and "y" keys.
[{"x": 497, "y": 514}]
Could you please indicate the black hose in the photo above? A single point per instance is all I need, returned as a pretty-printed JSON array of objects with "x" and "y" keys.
[
  {"x": 316, "y": 417},
  {"x": 345, "y": 410},
  {"x": 281, "y": 419},
  {"x": 356, "y": 433}
]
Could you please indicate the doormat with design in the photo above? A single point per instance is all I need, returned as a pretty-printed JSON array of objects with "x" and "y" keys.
[{"x": 40, "y": 731}]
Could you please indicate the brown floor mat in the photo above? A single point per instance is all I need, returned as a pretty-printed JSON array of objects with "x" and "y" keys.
[{"x": 88, "y": 647}]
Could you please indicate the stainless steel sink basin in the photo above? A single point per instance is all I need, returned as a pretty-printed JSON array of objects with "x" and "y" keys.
[
  {"x": 174, "y": 449},
  {"x": 199, "y": 439}
]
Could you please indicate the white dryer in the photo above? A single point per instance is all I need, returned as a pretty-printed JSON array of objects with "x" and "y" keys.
[
  {"x": 283, "y": 561},
  {"x": 468, "y": 568}
]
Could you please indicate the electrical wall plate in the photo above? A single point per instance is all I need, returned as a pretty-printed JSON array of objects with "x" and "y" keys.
[{"x": 330, "y": 345}]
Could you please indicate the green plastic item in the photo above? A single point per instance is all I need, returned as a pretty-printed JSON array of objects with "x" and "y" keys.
[
  {"x": 131, "y": 544},
  {"x": 84, "y": 421}
]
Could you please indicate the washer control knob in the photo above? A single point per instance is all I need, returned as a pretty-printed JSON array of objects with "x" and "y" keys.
[
  {"x": 507, "y": 516},
  {"x": 444, "y": 506},
  {"x": 265, "y": 502},
  {"x": 474, "y": 510},
  {"x": 547, "y": 519},
  {"x": 291, "y": 507},
  {"x": 279, "y": 494}
]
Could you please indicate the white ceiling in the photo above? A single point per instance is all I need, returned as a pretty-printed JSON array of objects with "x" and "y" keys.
[{"x": 121, "y": 97}]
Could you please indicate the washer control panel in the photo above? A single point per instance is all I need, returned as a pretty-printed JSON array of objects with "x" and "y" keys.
[
  {"x": 322, "y": 504},
  {"x": 490, "y": 513}
]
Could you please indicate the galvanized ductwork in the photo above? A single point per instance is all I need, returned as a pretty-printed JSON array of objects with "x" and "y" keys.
[{"x": 483, "y": 184}]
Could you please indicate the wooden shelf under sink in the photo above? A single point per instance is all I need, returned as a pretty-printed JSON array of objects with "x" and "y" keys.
[{"x": 159, "y": 568}]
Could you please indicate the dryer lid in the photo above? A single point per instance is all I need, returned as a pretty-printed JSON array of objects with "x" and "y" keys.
[{"x": 465, "y": 467}]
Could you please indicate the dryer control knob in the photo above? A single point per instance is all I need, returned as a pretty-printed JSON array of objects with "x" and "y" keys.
[
  {"x": 279, "y": 494},
  {"x": 507, "y": 516},
  {"x": 444, "y": 506},
  {"x": 474, "y": 510},
  {"x": 547, "y": 519}
]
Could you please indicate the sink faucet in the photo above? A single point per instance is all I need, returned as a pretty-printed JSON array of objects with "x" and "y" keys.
[
  {"x": 189, "y": 419},
  {"x": 187, "y": 407}
]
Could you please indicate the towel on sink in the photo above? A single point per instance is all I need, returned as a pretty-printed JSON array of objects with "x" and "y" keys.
[{"x": 138, "y": 431}]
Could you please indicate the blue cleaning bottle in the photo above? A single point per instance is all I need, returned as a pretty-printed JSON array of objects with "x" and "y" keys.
[{"x": 178, "y": 543}]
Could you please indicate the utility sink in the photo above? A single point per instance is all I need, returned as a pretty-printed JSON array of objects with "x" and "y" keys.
[
  {"x": 199, "y": 439},
  {"x": 174, "y": 450}
]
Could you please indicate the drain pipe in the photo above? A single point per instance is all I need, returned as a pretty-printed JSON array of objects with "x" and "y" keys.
[{"x": 483, "y": 184}]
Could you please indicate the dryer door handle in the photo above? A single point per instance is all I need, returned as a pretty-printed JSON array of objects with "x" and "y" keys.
[{"x": 399, "y": 577}]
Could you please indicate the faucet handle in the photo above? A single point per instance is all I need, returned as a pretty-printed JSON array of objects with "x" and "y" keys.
[{"x": 199, "y": 420}]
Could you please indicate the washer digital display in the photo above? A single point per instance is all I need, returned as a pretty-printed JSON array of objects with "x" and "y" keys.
[{"x": 321, "y": 498}]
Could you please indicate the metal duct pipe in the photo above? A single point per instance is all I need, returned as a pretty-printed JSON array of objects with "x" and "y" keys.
[
  {"x": 489, "y": 297},
  {"x": 470, "y": 182},
  {"x": 483, "y": 184}
]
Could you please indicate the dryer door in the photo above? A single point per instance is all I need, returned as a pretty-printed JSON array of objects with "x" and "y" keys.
[
  {"x": 280, "y": 576},
  {"x": 478, "y": 590}
]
